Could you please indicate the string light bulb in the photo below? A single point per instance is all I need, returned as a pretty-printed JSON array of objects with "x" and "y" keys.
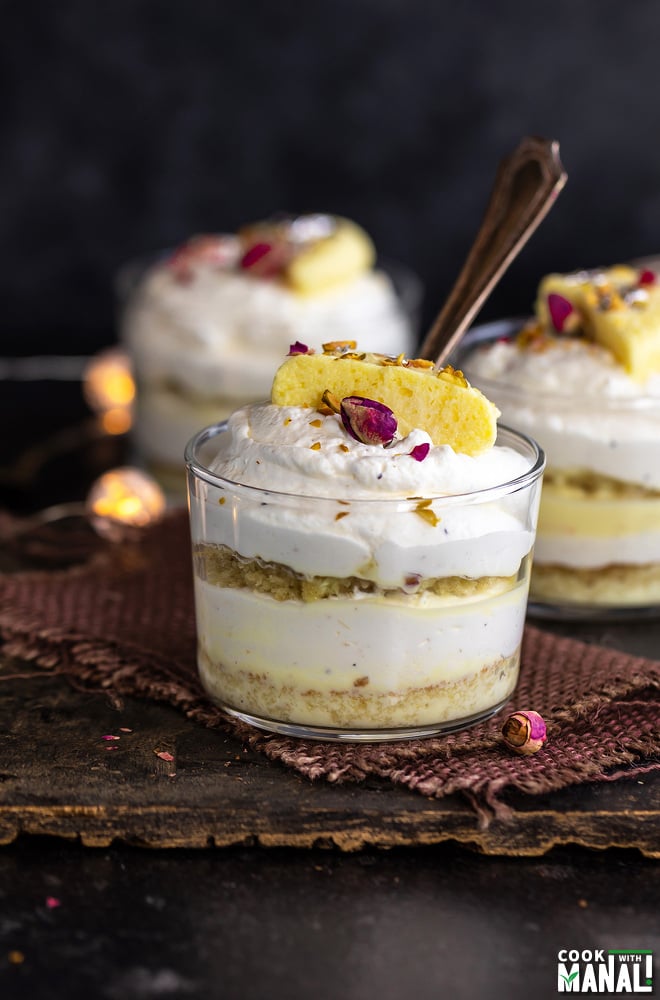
[
  {"x": 109, "y": 389},
  {"x": 124, "y": 497}
]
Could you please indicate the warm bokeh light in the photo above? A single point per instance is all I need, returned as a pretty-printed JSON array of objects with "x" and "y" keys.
[
  {"x": 126, "y": 495},
  {"x": 116, "y": 421},
  {"x": 109, "y": 388}
]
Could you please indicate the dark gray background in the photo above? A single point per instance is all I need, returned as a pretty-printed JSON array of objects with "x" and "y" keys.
[{"x": 131, "y": 124}]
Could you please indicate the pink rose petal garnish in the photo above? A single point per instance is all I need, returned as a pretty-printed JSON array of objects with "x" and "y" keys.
[
  {"x": 109, "y": 737},
  {"x": 299, "y": 348},
  {"x": 647, "y": 277},
  {"x": 255, "y": 254},
  {"x": 367, "y": 420},
  {"x": 420, "y": 451},
  {"x": 560, "y": 309},
  {"x": 164, "y": 755},
  {"x": 266, "y": 260},
  {"x": 52, "y": 902}
]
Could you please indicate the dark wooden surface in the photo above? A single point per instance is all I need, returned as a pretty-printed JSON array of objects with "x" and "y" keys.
[
  {"x": 246, "y": 924},
  {"x": 93, "y": 905},
  {"x": 59, "y": 777}
]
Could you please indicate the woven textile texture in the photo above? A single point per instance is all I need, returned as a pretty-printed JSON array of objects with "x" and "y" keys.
[{"x": 124, "y": 622}]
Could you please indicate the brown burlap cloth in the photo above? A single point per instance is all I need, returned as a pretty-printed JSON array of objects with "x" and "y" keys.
[{"x": 124, "y": 622}]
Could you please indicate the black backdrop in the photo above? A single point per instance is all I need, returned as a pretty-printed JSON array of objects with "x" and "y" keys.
[{"x": 131, "y": 124}]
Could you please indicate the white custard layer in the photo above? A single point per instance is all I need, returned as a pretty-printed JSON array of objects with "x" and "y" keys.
[
  {"x": 367, "y": 533},
  {"x": 280, "y": 655},
  {"x": 590, "y": 552},
  {"x": 578, "y": 403}
]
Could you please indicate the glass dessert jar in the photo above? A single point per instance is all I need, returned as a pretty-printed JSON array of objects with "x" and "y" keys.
[
  {"x": 332, "y": 617},
  {"x": 597, "y": 552},
  {"x": 207, "y": 324}
]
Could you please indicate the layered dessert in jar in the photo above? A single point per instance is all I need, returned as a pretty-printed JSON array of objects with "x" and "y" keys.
[
  {"x": 207, "y": 325},
  {"x": 362, "y": 548},
  {"x": 583, "y": 378}
]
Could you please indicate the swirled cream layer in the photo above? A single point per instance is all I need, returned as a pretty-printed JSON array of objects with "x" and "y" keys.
[
  {"x": 222, "y": 333},
  {"x": 362, "y": 511},
  {"x": 576, "y": 400}
]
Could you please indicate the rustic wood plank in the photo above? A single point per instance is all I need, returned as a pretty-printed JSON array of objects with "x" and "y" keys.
[{"x": 59, "y": 777}]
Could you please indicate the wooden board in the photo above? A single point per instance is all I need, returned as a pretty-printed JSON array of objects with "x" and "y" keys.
[{"x": 59, "y": 777}]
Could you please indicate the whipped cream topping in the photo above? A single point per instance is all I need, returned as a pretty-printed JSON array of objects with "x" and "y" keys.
[
  {"x": 578, "y": 402},
  {"x": 568, "y": 367},
  {"x": 275, "y": 449},
  {"x": 222, "y": 333}
]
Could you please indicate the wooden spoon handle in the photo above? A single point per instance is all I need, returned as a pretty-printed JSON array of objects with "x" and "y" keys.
[{"x": 526, "y": 185}]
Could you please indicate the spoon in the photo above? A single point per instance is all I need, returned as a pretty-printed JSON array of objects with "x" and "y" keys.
[{"x": 526, "y": 185}]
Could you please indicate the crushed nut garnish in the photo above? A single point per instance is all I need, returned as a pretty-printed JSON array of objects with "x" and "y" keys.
[
  {"x": 344, "y": 447},
  {"x": 424, "y": 510},
  {"x": 342, "y": 513},
  {"x": 316, "y": 423},
  {"x": 531, "y": 335},
  {"x": 316, "y": 446},
  {"x": 451, "y": 374},
  {"x": 419, "y": 363},
  {"x": 330, "y": 400},
  {"x": 339, "y": 345},
  {"x": 361, "y": 682},
  {"x": 609, "y": 299}
]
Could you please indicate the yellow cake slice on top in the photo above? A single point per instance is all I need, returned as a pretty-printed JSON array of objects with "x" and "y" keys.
[
  {"x": 617, "y": 307},
  {"x": 340, "y": 257},
  {"x": 439, "y": 401}
]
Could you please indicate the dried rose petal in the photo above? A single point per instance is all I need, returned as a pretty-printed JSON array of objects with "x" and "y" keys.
[
  {"x": 524, "y": 732},
  {"x": 299, "y": 348},
  {"x": 368, "y": 421},
  {"x": 560, "y": 309},
  {"x": 255, "y": 253},
  {"x": 420, "y": 451},
  {"x": 264, "y": 259},
  {"x": 647, "y": 277}
]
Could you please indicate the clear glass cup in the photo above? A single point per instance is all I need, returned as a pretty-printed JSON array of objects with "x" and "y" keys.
[
  {"x": 193, "y": 368},
  {"x": 327, "y": 618},
  {"x": 597, "y": 552}
]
